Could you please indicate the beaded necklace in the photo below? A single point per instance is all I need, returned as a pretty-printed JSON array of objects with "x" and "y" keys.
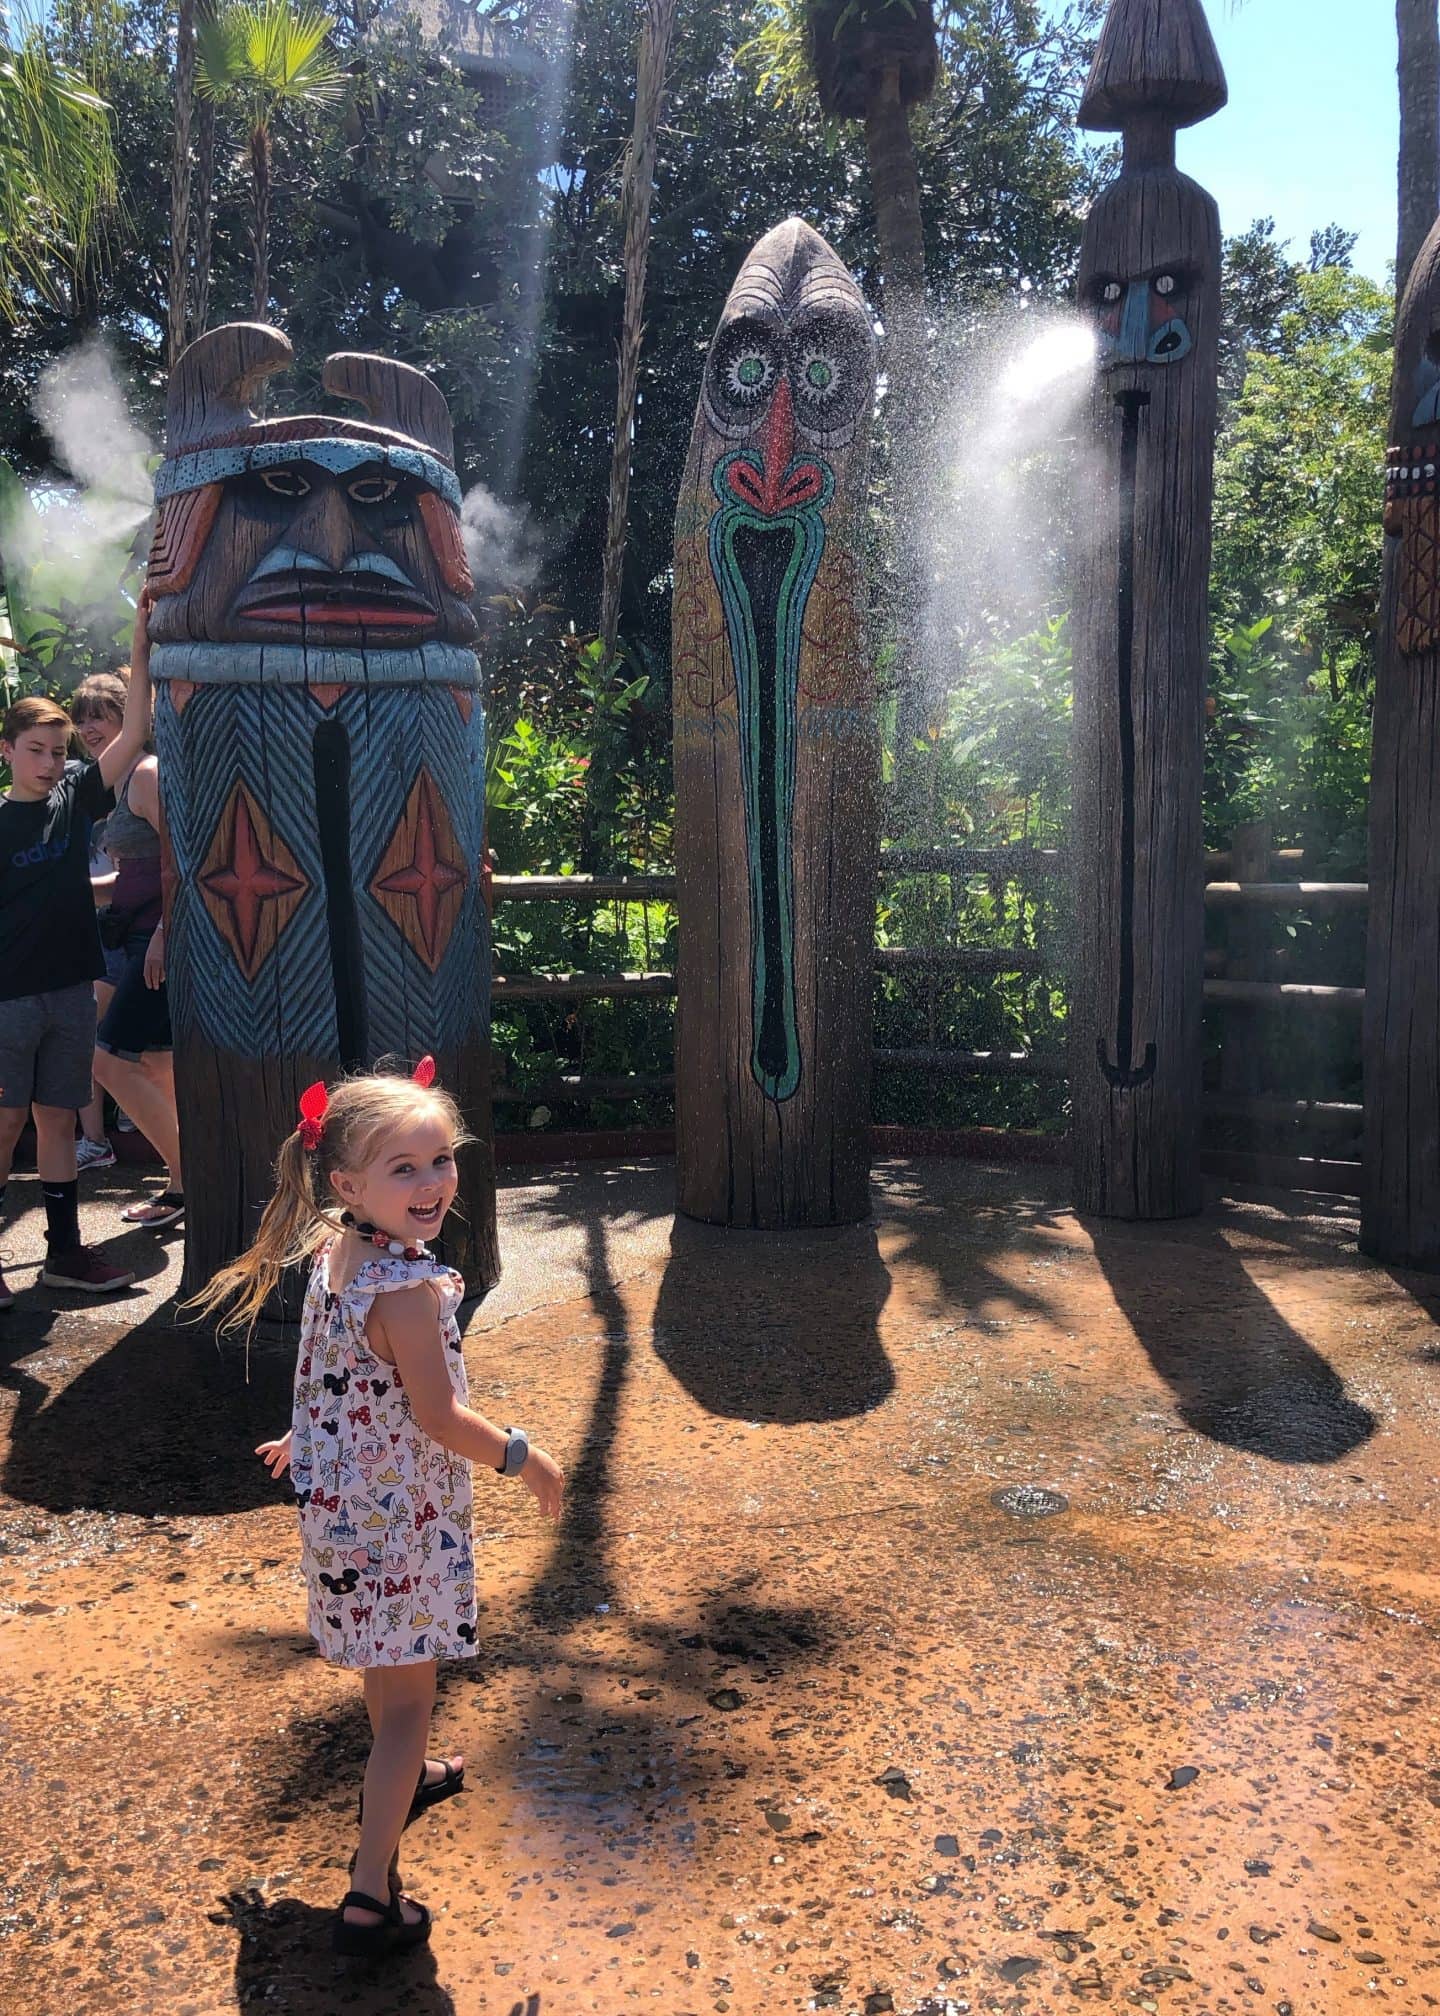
[{"x": 363, "y": 1229}]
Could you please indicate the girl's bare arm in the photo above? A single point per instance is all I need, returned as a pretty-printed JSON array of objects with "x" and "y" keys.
[{"x": 402, "y": 1326}]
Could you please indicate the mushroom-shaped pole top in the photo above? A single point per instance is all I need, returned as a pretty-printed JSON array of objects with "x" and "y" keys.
[{"x": 1157, "y": 61}]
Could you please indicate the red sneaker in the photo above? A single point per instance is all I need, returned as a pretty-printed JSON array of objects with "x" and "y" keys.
[{"x": 84, "y": 1270}]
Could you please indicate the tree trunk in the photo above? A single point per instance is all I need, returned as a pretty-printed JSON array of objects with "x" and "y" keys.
[
  {"x": 204, "y": 214},
  {"x": 639, "y": 187},
  {"x": 1419, "y": 32},
  {"x": 895, "y": 191},
  {"x": 180, "y": 177},
  {"x": 260, "y": 226}
]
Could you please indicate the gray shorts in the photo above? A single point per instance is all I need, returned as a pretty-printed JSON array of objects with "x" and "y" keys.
[{"x": 47, "y": 1045}]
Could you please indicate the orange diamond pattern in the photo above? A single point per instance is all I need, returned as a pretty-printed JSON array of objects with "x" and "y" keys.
[
  {"x": 1418, "y": 620},
  {"x": 251, "y": 882},
  {"x": 422, "y": 877}
]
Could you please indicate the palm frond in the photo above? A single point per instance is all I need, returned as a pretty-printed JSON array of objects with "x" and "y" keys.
[
  {"x": 267, "y": 53},
  {"x": 57, "y": 169}
]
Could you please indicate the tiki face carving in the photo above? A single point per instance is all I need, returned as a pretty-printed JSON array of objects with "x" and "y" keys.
[
  {"x": 1149, "y": 276},
  {"x": 808, "y": 377},
  {"x": 333, "y": 533},
  {"x": 764, "y": 596},
  {"x": 1144, "y": 321}
]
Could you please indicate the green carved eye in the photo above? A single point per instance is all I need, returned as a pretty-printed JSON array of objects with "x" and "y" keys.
[
  {"x": 822, "y": 376},
  {"x": 748, "y": 376}
]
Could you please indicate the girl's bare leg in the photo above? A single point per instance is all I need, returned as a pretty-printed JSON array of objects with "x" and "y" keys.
[
  {"x": 434, "y": 1767},
  {"x": 400, "y": 1700}
]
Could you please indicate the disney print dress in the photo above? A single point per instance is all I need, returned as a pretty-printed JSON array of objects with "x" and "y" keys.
[{"x": 384, "y": 1510}]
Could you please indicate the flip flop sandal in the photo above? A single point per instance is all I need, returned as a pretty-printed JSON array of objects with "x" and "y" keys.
[
  {"x": 157, "y": 1213},
  {"x": 427, "y": 1795},
  {"x": 375, "y": 1942}
]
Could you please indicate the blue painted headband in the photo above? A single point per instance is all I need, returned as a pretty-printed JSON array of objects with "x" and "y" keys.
[{"x": 215, "y": 465}]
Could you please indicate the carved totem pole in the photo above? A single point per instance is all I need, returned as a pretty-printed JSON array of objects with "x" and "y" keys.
[
  {"x": 322, "y": 763},
  {"x": 1400, "y": 1205},
  {"x": 776, "y": 753},
  {"x": 1150, "y": 278}
]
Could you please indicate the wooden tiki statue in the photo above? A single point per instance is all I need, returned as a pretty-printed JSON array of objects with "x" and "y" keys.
[
  {"x": 1400, "y": 1208},
  {"x": 1150, "y": 278},
  {"x": 776, "y": 753},
  {"x": 321, "y": 746}
]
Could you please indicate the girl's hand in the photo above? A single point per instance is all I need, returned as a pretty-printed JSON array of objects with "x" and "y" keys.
[
  {"x": 155, "y": 959},
  {"x": 544, "y": 1480},
  {"x": 276, "y": 1455}
]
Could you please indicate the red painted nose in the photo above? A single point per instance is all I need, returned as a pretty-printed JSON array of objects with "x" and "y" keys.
[{"x": 778, "y": 439}]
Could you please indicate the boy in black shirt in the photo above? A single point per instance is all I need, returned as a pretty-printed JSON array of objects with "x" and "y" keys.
[{"x": 50, "y": 955}]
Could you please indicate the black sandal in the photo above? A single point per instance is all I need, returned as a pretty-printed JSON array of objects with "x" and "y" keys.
[
  {"x": 427, "y": 1795},
  {"x": 444, "y": 1788},
  {"x": 373, "y": 1942}
]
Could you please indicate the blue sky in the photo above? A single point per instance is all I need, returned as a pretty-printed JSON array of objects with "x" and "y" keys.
[{"x": 1310, "y": 134}]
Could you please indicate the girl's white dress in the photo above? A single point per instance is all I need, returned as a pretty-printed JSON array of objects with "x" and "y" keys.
[{"x": 384, "y": 1510}]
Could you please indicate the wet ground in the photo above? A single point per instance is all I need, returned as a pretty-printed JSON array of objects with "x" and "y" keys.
[{"x": 978, "y": 1610}]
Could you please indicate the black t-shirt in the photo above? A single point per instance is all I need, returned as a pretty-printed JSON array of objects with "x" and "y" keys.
[{"x": 48, "y": 935}]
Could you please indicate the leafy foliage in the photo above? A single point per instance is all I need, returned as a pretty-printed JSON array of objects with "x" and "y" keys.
[
  {"x": 57, "y": 166},
  {"x": 1297, "y": 569}
]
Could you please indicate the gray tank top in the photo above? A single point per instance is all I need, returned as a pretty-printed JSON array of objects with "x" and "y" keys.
[{"x": 128, "y": 837}]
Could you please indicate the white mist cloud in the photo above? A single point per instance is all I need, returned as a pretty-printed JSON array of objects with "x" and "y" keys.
[
  {"x": 79, "y": 531},
  {"x": 503, "y": 547},
  {"x": 1002, "y": 495}
]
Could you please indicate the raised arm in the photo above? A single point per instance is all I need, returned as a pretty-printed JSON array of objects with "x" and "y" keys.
[{"x": 135, "y": 728}]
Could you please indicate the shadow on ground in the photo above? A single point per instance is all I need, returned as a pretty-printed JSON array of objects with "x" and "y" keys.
[
  {"x": 1241, "y": 1374},
  {"x": 285, "y": 1953},
  {"x": 163, "y": 1421},
  {"x": 775, "y": 1327}
]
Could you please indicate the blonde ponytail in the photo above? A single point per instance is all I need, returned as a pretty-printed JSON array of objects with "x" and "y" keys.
[{"x": 295, "y": 1224}]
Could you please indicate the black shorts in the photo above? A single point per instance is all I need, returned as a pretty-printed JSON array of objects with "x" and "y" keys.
[{"x": 138, "y": 1019}]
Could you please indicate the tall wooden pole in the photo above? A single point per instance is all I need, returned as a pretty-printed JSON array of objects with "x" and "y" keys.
[
  {"x": 776, "y": 753},
  {"x": 322, "y": 763},
  {"x": 654, "y": 60},
  {"x": 1400, "y": 1205},
  {"x": 180, "y": 180},
  {"x": 1150, "y": 279}
]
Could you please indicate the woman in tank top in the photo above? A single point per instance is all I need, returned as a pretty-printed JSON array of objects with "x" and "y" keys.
[
  {"x": 97, "y": 707},
  {"x": 133, "y": 1047}
]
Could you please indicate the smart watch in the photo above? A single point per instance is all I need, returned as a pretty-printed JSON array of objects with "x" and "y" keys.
[{"x": 517, "y": 1448}]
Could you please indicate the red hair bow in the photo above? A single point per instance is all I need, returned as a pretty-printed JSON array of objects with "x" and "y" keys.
[
  {"x": 314, "y": 1104},
  {"x": 424, "y": 1073}
]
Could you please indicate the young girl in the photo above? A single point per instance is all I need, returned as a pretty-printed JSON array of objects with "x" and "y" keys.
[{"x": 381, "y": 1440}]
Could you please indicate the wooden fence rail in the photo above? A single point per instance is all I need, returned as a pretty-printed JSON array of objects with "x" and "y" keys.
[{"x": 1267, "y": 879}]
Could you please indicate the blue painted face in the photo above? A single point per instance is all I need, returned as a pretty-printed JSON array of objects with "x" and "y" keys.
[{"x": 1143, "y": 321}]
